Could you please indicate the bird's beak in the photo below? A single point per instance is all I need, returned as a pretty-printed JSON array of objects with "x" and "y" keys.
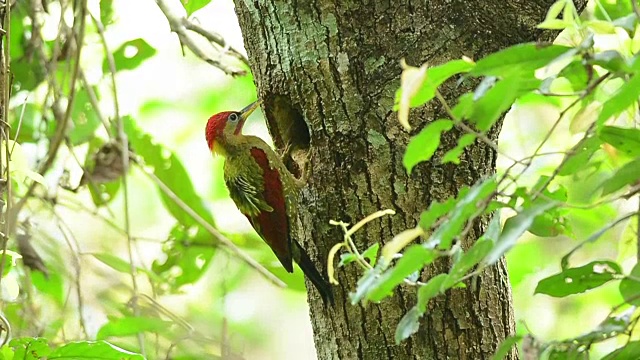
[
  {"x": 246, "y": 112},
  {"x": 249, "y": 109}
]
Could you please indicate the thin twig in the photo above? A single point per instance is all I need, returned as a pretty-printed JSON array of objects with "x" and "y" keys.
[
  {"x": 181, "y": 25},
  {"x": 124, "y": 142},
  {"x": 4, "y": 137},
  {"x": 460, "y": 124},
  {"x": 221, "y": 239},
  {"x": 63, "y": 123},
  {"x": 64, "y": 229},
  {"x": 216, "y": 39}
]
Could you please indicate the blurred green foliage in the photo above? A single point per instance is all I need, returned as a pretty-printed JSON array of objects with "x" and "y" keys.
[{"x": 568, "y": 189}]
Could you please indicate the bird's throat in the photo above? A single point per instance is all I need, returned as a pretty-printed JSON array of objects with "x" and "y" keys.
[{"x": 217, "y": 148}]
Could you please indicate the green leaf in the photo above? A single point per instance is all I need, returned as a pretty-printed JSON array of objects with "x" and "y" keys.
[
  {"x": 408, "y": 325},
  {"x": 453, "y": 155},
  {"x": 611, "y": 327},
  {"x": 181, "y": 249},
  {"x": 577, "y": 75},
  {"x": 610, "y": 60},
  {"x": 466, "y": 208},
  {"x": 464, "y": 107},
  {"x": 488, "y": 109},
  {"x": 113, "y": 262},
  {"x": 514, "y": 227},
  {"x": 435, "y": 211},
  {"x": 630, "y": 287},
  {"x": 365, "y": 284},
  {"x": 6, "y": 352},
  {"x": 169, "y": 169},
  {"x": 629, "y": 351},
  {"x": 85, "y": 119},
  {"x": 92, "y": 350},
  {"x": 194, "y": 5},
  {"x": 471, "y": 258},
  {"x": 347, "y": 258},
  {"x": 626, "y": 96},
  {"x": 31, "y": 120},
  {"x": 130, "y": 55},
  {"x": 505, "y": 347},
  {"x": 435, "y": 76},
  {"x": 552, "y": 222},
  {"x": 132, "y": 325},
  {"x": 626, "y": 175},
  {"x": 28, "y": 348},
  {"x": 413, "y": 259},
  {"x": 518, "y": 59},
  {"x": 578, "y": 280},
  {"x": 423, "y": 146},
  {"x": 626, "y": 140},
  {"x": 51, "y": 285},
  {"x": 579, "y": 155},
  {"x": 435, "y": 286},
  {"x": 372, "y": 253},
  {"x": 106, "y": 12}
]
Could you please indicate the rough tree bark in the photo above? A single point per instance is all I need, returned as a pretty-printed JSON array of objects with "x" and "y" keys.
[{"x": 328, "y": 71}]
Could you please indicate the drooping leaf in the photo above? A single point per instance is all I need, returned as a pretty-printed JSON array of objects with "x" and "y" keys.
[
  {"x": 497, "y": 100},
  {"x": 518, "y": 59},
  {"x": 578, "y": 280},
  {"x": 611, "y": 60},
  {"x": 435, "y": 211},
  {"x": 365, "y": 284},
  {"x": 78, "y": 350},
  {"x": 471, "y": 258},
  {"x": 630, "y": 287},
  {"x": 627, "y": 175},
  {"x": 169, "y": 169},
  {"x": 408, "y": 325},
  {"x": 412, "y": 260},
  {"x": 552, "y": 222},
  {"x": 130, "y": 55},
  {"x": 611, "y": 326},
  {"x": 126, "y": 326},
  {"x": 410, "y": 83},
  {"x": 466, "y": 208},
  {"x": 423, "y": 146},
  {"x": 626, "y": 96},
  {"x": 453, "y": 155},
  {"x": 113, "y": 262},
  {"x": 505, "y": 347},
  {"x": 579, "y": 155},
  {"x": 626, "y": 140},
  {"x": 435, "y": 286},
  {"x": 434, "y": 77},
  {"x": 629, "y": 351},
  {"x": 372, "y": 253},
  {"x": 514, "y": 227}
]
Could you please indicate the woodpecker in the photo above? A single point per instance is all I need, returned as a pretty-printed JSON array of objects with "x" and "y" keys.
[{"x": 263, "y": 189}]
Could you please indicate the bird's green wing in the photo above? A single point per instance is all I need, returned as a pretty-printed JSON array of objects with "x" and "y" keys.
[{"x": 247, "y": 195}]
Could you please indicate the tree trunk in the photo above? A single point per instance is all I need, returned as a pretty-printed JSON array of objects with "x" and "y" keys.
[{"x": 328, "y": 72}]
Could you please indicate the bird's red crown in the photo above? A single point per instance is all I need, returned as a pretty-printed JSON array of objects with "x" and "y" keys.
[{"x": 215, "y": 127}]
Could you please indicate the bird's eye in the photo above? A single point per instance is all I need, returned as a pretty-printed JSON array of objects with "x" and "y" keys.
[{"x": 233, "y": 117}]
